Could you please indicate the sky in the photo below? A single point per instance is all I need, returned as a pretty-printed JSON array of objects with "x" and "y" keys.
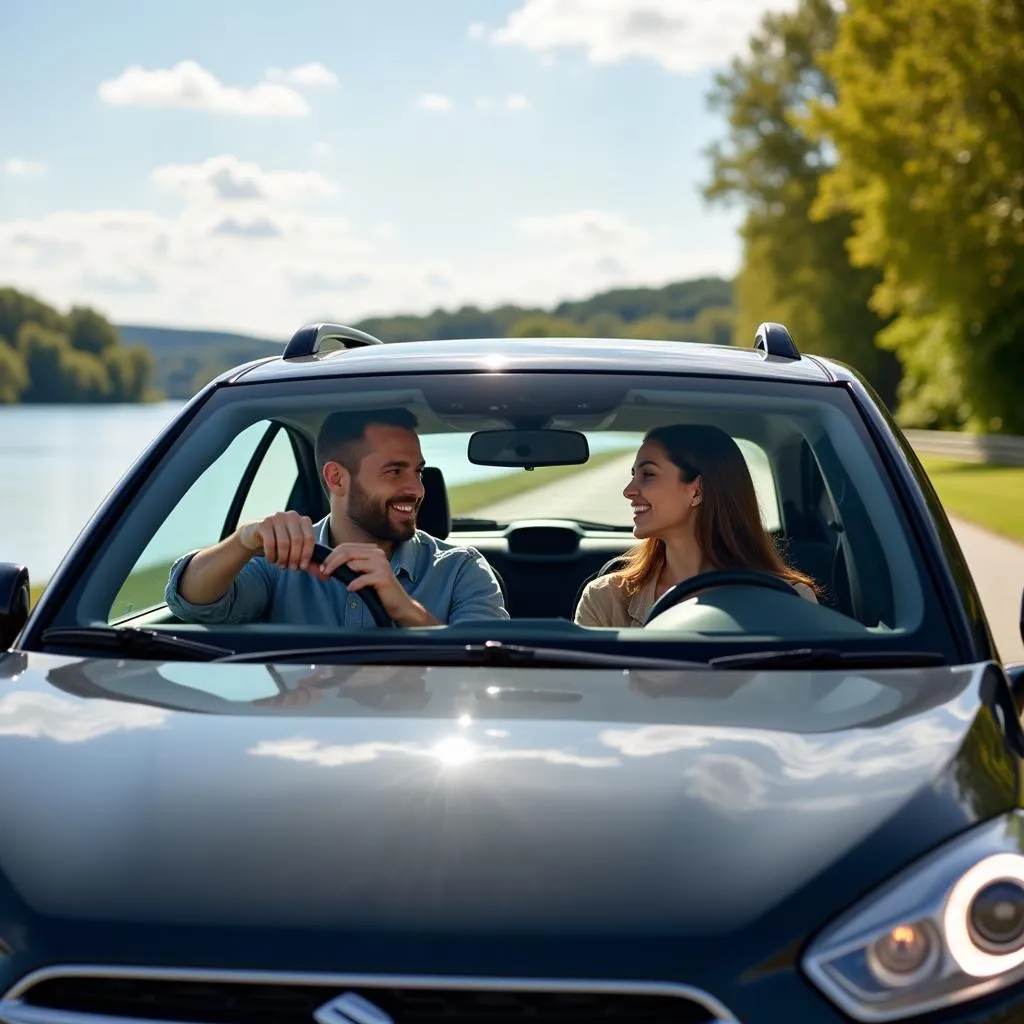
[{"x": 250, "y": 165}]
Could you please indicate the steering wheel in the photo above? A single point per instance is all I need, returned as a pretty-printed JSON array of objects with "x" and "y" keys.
[
  {"x": 717, "y": 578},
  {"x": 343, "y": 574}
]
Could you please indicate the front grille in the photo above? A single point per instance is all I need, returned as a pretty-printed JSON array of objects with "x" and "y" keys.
[{"x": 231, "y": 1002}]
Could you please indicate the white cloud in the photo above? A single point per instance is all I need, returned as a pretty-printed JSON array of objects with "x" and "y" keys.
[
  {"x": 513, "y": 102},
  {"x": 683, "y": 36},
  {"x": 435, "y": 102},
  {"x": 244, "y": 253},
  {"x": 227, "y": 179},
  {"x": 594, "y": 228},
  {"x": 307, "y": 76},
  {"x": 476, "y": 30},
  {"x": 189, "y": 86},
  {"x": 47, "y": 716},
  {"x": 18, "y": 168}
]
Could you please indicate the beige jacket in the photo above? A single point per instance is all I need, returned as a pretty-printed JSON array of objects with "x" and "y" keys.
[{"x": 603, "y": 603}]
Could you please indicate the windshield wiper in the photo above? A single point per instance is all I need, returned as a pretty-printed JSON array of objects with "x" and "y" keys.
[
  {"x": 824, "y": 657},
  {"x": 131, "y": 640},
  {"x": 490, "y": 653}
]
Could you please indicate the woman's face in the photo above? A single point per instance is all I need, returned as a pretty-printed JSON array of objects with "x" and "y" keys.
[{"x": 662, "y": 501}]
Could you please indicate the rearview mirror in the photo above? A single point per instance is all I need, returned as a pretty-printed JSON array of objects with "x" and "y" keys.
[
  {"x": 14, "y": 602},
  {"x": 528, "y": 448}
]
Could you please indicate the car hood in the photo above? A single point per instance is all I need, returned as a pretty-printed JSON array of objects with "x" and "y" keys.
[{"x": 454, "y": 801}]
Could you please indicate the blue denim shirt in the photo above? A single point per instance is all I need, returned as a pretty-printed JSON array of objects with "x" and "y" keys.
[{"x": 454, "y": 583}]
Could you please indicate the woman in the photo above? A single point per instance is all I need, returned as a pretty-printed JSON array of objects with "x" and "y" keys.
[{"x": 695, "y": 509}]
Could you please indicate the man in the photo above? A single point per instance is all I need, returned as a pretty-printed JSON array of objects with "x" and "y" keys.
[{"x": 370, "y": 465}]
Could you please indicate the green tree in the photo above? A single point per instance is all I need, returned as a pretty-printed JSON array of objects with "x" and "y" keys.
[
  {"x": 17, "y": 308},
  {"x": 795, "y": 270},
  {"x": 56, "y": 371},
  {"x": 660, "y": 327},
  {"x": 13, "y": 375},
  {"x": 90, "y": 332},
  {"x": 130, "y": 371},
  {"x": 929, "y": 127},
  {"x": 543, "y": 326},
  {"x": 604, "y": 325}
]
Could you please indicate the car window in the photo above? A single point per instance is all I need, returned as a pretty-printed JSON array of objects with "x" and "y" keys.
[
  {"x": 199, "y": 517},
  {"x": 823, "y": 490},
  {"x": 274, "y": 481},
  {"x": 470, "y": 494}
]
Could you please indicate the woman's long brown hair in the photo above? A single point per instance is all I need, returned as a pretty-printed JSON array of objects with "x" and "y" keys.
[{"x": 729, "y": 528}]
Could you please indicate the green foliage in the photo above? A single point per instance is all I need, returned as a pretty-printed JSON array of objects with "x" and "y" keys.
[
  {"x": 13, "y": 375},
  {"x": 795, "y": 270},
  {"x": 539, "y": 325},
  {"x": 928, "y": 125},
  {"x": 90, "y": 332},
  {"x": 73, "y": 358},
  {"x": 697, "y": 310},
  {"x": 682, "y": 300},
  {"x": 611, "y": 314}
]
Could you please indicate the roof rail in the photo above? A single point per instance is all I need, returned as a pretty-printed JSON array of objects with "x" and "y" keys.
[
  {"x": 306, "y": 341},
  {"x": 775, "y": 340}
]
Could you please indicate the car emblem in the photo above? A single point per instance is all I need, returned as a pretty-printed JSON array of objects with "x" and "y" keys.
[{"x": 351, "y": 1009}]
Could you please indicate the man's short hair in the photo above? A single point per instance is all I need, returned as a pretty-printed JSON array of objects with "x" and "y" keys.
[{"x": 342, "y": 435}]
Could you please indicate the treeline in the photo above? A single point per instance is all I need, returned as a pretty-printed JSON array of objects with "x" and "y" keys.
[
  {"x": 877, "y": 147},
  {"x": 48, "y": 356},
  {"x": 698, "y": 310}
]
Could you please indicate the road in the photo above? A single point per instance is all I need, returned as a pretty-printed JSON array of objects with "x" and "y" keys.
[{"x": 997, "y": 564}]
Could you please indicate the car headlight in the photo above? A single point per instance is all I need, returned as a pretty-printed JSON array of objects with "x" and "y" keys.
[{"x": 949, "y": 929}]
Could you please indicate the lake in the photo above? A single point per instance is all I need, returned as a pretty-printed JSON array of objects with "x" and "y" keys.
[{"x": 58, "y": 463}]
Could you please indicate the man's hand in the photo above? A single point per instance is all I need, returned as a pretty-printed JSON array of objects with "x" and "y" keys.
[
  {"x": 375, "y": 571},
  {"x": 286, "y": 539}
]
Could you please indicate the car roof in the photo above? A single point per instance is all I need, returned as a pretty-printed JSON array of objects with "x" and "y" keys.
[{"x": 482, "y": 355}]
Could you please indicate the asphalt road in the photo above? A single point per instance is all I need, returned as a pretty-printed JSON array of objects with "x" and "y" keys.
[{"x": 996, "y": 564}]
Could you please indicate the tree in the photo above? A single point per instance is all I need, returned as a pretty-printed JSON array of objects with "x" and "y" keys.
[
  {"x": 90, "y": 332},
  {"x": 130, "y": 371},
  {"x": 13, "y": 375},
  {"x": 543, "y": 326},
  {"x": 17, "y": 308},
  {"x": 928, "y": 124},
  {"x": 795, "y": 270},
  {"x": 56, "y": 371}
]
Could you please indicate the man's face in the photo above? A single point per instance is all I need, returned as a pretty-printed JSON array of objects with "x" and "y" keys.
[{"x": 386, "y": 492}]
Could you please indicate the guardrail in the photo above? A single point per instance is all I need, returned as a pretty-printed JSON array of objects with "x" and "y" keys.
[{"x": 1003, "y": 449}]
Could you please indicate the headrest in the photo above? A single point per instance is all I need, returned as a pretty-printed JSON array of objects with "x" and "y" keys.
[{"x": 434, "y": 516}]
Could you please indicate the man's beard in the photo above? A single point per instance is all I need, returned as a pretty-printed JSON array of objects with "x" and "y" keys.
[{"x": 370, "y": 515}]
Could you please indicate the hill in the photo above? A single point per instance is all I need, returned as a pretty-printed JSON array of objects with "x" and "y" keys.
[
  {"x": 187, "y": 359},
  {"x": 698, "y": 310}
]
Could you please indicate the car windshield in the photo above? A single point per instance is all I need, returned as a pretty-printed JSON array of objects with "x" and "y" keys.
[{"x": 824, "y": 497}]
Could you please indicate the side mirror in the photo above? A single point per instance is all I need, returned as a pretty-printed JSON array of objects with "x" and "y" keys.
[{"x": 14, "y": 602}]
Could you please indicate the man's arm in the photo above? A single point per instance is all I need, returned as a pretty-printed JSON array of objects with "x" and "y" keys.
[
  {"x": 476, "y": 594},
  {"x": 222, "y": 583}
]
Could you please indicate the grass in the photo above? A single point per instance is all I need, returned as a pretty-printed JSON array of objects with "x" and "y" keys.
[
  {"x": 991, "y": 496},
  {"x": 143, "y": 588},
  {"x": 464, "y": 499}
]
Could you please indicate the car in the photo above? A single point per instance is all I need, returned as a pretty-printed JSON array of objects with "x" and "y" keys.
[{"x": 750, "y": 808}]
